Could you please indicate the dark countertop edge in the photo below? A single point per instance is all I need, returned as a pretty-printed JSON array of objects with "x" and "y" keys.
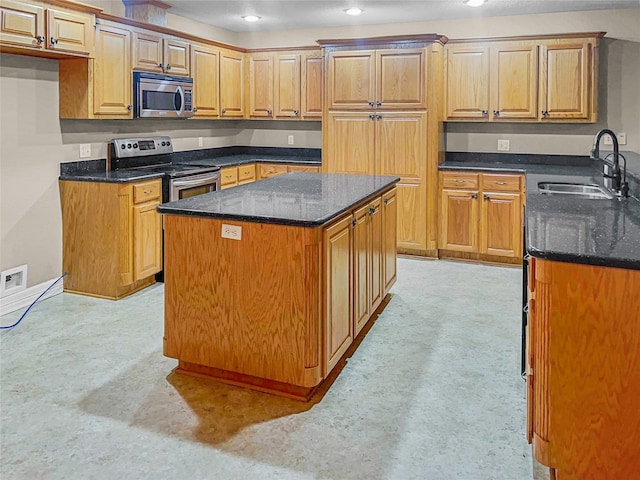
[
  {"x": 278, "y": 221},
  {"x": 625, "y": 264},
  {"x": 99, "y": 178},
  {"x": 490, "y": 167}
]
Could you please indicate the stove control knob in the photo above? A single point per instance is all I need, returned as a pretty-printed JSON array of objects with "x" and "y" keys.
[
  {"x": 122, "y": 146},
  {"x": 168, "y": 144},
  {"x": 135, "y": 145},
  {"x": 128, "y": 145},
  {"x": 163, "y": 144}
]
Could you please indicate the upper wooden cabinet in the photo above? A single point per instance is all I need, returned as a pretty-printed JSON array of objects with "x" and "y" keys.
[
  {"x": 205, "y": 70},
  {"x": 156, "y": 53},
  {"x": 231, "y": 83},
  {"x": 55, "y": 32},
  {"x": 286, "y": 84},
  {"x": 366, "y": 79},
  {"x": 544, "y": 79}
]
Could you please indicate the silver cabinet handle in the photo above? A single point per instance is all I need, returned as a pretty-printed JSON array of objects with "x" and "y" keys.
[
  {"x": 460, "y": 181},
  {"x": 270, "y": 113},
  {"x": 168, "y": 67},
  {"x": 485, "y": 112},
  {"x": 378, "y": 117},
  {"x": 296, "y": 112},
  {"x": 371, "y": 104},
  {"x": 129, "y": 107},
  {"x": 223, "y": 111},
  {"x": 474, "y": 196},
  {"x": 378, "y": 103},
  {"x": 40, "y": 39},
  {"x": 372, "y": 117},
  {"x": 496, "y": 113},
  {"x": 486, "y": 197},
  {"x": 500, "y": 183},
  {"x": 54, "y": 41},
  {"x": 161, "y": 66},
  {"x": 195, "y": 109}
]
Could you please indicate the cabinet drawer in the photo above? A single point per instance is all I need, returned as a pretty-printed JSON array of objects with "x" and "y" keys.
[
  {"x": 460, "y": 180},
  {"x": 267, "y": 170},
  {"x": 500, "y": 183},
  {"x": 143, "y": 192},
  {"x": 303, "y": 168},
  {"x": 228, "y": 176},
  {"x": 247, "y": 172}
]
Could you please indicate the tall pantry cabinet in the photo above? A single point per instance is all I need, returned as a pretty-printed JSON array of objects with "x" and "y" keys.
[{"x": 382, "y": 117}]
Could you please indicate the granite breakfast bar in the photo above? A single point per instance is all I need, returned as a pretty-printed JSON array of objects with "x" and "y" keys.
[{"x": 268, "y": 284}]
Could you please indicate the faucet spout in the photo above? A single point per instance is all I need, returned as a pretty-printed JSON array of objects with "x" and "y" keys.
[
  {"x": 613, "y": 177},
  {"x": 595, "y": 151}
]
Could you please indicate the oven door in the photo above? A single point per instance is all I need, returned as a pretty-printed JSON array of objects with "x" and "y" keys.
[{"x": 190, "y": 186}]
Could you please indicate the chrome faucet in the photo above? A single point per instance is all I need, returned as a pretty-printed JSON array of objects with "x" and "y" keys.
[{"x": 613, "y": 177}]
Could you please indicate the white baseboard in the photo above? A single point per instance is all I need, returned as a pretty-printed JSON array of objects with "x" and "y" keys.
[{"x": 24, "y": 298}]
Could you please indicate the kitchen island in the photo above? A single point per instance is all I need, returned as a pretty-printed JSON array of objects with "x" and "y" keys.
[{"x": 268, "y": 284}]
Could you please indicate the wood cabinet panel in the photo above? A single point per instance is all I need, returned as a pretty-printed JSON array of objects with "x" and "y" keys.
[
  {"x": 312, "y": 86},
  {"x": 112, "y": 83},
  {"x": 565, "y": 82},
  {"x": 148, "y": 52},
  {"x": 460, "y": 180},
  {"x": 144, "y": 192},
  {"x": 376, "y": 253},
  {"x": 361, "y": 268},
  {"x": 205, "y": 69},
  {"x": 271, "y": 169},
  {"x": 493, "y": 182},
  {"x": 467, "y": 82},
  {"x": 261, "y": 69},
  {"x": 246, "y": 173},
  {"x": 177, "y": 57},
  {"x": 228, "y": 177},
  {"x": 147, "y": 240},
  {"x": 459, "y": 221},
  {"x": 338, "y": 287},
  {"x": 287, "y": 85},
  {"x": 400, "y": 78},
  {"x": 70, "y": 32},
  {"x": 351, "y": 77},
  {"x": 22, "y": 24},
  {"x": 231, "y": 84},
  {"x": 412, "y": 214},
  {"x": 500, "y": 225},
  {"x": 352, "y": 145},
  {"x": 514, "y": 81},
  {"x": 389, "y": 239}
]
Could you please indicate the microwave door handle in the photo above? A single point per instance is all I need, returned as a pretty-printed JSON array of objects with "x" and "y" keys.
[{"x": 180, "y": 96}]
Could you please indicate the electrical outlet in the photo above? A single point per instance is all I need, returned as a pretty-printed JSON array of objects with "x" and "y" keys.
[
  {"x": 622, "y": 138},
  {"x": 290, "y": 140},
  {"x": 233, "y": 232},
  {"x": 607, "y": 140},
  {"x": 200, "y": 141},
  {"x": 85, "y": 150},
  {"x": 13, "y": 280},
  {"x": 503, "y": 145}
]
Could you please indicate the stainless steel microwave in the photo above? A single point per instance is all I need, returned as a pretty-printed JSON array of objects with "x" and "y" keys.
[{"x": 162, "y": 96}]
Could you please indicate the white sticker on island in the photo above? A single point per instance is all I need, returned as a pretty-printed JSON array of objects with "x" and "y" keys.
[{"x": 231, "y": 231}]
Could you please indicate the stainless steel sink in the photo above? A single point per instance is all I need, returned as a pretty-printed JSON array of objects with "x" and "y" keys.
[{"x": 577, "y": 189}]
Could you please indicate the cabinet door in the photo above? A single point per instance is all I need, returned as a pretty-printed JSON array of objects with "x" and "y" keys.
[
  {"x": 148, "y": 52},
  {"x": 177, "y": 57},
  {"x": 261, "y": 85},
  {"x": 338, "y": 264},
  {"x": 375, "y": 292},
  {"x": 459, "y": 221},
  {"x": 21, "y": 24},
  {"x": 389, "y": 239},
  {"x": 70, "y": 32},
  {"x": 312, "y": 83},
  {"x": 246, "y": 173},
  {"x": 231, "y": 81},
  {"x": 351, "y": 79},
  {"x": 401, "y": 149},
  {"x": 112, "y": 72},
  {"x": 514, "y": 81},
  {"x": 565, "y": 82},
  {"x": 501, "y": 224},
  {"x": 349, "y": 143},
  {"x": 467, "y": 82},
  {"x": 228, "y": 177},
  {"x": 287, "y": 86},
  {"x": 361, "y": 267},
  {"x": 400, "y": 81},
  {"x": 147, "y": 240},
  {"x": 268, "y": 170},
  {"x": 205, "y": 63}
]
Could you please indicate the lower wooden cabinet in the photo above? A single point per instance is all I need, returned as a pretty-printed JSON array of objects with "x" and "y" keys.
[
  {"x": 272, "y": 169},
  {"x": 112, "y": 236},
  {"x": 481, "y": 214},
  {"x": 583, "y": 359}
]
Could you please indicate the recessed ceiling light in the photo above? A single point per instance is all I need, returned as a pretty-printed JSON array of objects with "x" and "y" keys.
[
  {"x": 251, "y": 18},
  {"x": 474, "y": 3},
  {"x": 354, "y": 12}
]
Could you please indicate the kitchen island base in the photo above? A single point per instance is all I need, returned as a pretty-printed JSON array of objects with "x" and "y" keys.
[{"x": 276, "y": 306}]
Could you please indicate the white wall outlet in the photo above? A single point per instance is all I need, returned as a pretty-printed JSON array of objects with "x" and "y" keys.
[
  {"x": 233, "y": 232},
  {"x": 85, "y": 150},
  {"x": 504, "y": 145},
  {"x": 13, "y": 280},
  {"x": 622, "y": 138},
  {"x": 290, "y": 140},
  {"x": 200, "y": 141}
]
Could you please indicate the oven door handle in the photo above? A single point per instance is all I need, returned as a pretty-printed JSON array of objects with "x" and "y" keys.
[
  {"x": 186, "y": 183},
  {"x": 179, "y": 95}
]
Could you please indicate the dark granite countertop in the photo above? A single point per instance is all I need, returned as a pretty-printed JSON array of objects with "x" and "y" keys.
[
  {"x": 572, "y": 229},
  {"x": 244, "y": 158},
  {"x": 299, "y": 199},
  {"x": 115, "y": 176}
]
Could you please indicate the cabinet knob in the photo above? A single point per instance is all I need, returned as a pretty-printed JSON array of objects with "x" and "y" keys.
[
  {"x": 372, "y": 210},
  {"x": 270, "y": 113},
  {"x": 195, "y": 109},
  {"x": 161, "y": 66},
  {"x": 354, "y": 222},
  {"x": 378, "y": 103},
  {"x": 474, "y": 196},
  {"x": 485, "y": 112},
  {"x": 168, "y": 67},
  {"x": 372, "y": 116},
  {"x": 371, "y": 104},
  {"x": 545, "y": 113},
  {"x": 496, "y": 113},
  {"x": 223, "y": 111},
  {"x": 54, "y": 41},
  {"x": 386, "y": 201},
  {"x": 378, "y": 117},
  {"x": 129, "y": 107},
  {"x": 40, "y": 39},
  {"x": 296, "y": 112},
  {"x": 486, "y": 197}
]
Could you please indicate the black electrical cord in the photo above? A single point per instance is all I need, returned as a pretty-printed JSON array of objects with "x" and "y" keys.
[{"x": 33, "y": 303}]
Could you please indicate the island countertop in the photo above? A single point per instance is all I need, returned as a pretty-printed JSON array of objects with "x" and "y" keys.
[{"x": 298, "y": 199}]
